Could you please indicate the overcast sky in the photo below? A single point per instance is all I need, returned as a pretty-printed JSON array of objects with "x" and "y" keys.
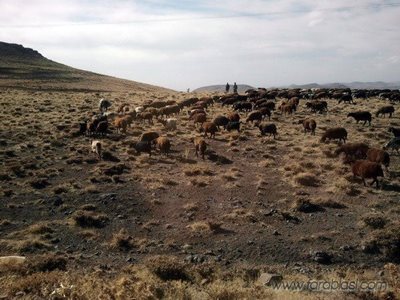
[{"x": 183, "y": 44}]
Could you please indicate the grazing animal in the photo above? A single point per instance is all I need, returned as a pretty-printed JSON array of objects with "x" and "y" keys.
[
  {"x": 367, "y": 169},
  {"x": 102, "y": 128},
  {"x": 361, "y": 116},
  {"x": 82, "y": 127},
  {"x": 169, "y": 124},
  {"x": 395, "y": 131},
  {"x": 139, "y": 109},
  {"x": 104, "y": 104},
  {"x": 393, "y": 144},
  {"x": 309, "y": 125},
  {"x": 122, "y": 123},
  {"x": 209, "y": 127},
  {"x": 243, "y": 106},
  {"x": 193, "y": 112},
  {"x": 123, "y": 108},
  {"x": 199, "y": 118},
  {"x": 142, "y": 146},
  {"x": 221, "y": 121},
  {"x": 146, "y": 116},
  {"x": 379, "y": 156},
  {"x": 254, "y": 116},
  {"x": 149, "y": 136},
  {"x": 234, "y": 117},
  {"x": 286, "y": 109},
  {"x": 163, "y": 144},
  {"x": 96, "y": 148},
  {"x": 265, "y": 112},
  {"x": 385, "y": 110},
  {"x": 353, "y": 151},
  {"x": 336, "y": 133},
  {"x": 346, "y": 98},
  {"x": 200, "y": 145},
  {"x": 267, "y": 128},
  {"x": 233, "y": 126},
  {"x": 317, "y": 106}
]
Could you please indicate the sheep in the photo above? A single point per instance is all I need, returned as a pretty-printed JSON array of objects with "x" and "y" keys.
[
  {"x": 169, "y": 124},
  {"x": 193, "y": 112},
  {"x": 395, "y": 131},
  {"x": 169, "y": 110},
  {"x": 286, "y": 109},
  {"x": 102, "y": 128},
  {"x": 221, "y": 121},
  {"x": 385, "y": 110},
  {"x": 142, "y": 146},
  {"x": 199, "y": 118},
  {"x": 104, "y": 104},
  {"x": 82, "y": 127},
  {"x": 139, "y": 109},
  {"x": 242, "y": 106},
  {"x": 96, "y": 148},
  {"x": 146, "y": 116},
  {"x": 267, "y": 128},
  {"x": 209, "y": 127},
  {"x": 346, "y": 98},
  {"x": 353, "y": 150},
  {"x": 123, "y": 108},
  {"x": 233, "y": 126},
  {"x": 122, "y": 123},
  {"x": 339, "y": 133},
  {"x": 361, "y": 116},
  {"x": 367, "y": 169},
  {"x": 254, "y": 116},
  {"x": 163, "y": 144},
  {"x": 200, "y": 146},
  {"x": 91, "y": 127},
  {"x": 379, "y": 156},
  {"x": 393, "y": 144},
  {"x": 294, "y": 102},
  {"x": 317, "y": 106},
  {"x": 308, "y": 125},
  {"x": 265, "y": 112},
  {"x": 149, "y": 136},
  {"x": 234, "y": 117}
]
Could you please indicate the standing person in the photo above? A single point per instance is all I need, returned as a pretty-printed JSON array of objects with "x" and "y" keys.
[
  {"x": 235, "y": 88},
  {"x": 227, "y": 87}
]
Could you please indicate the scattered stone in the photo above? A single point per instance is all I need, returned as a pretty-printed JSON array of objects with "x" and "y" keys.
[{"x": 268, "y": 279}]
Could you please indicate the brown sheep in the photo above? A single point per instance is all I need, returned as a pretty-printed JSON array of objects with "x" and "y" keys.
[
  {"x": 121, "y": 123},
  {"x": 193, "y": 112},
  {"x": 367, "y": 169},
  {"x": 379, "y": 156},
  {"x": 309, "y": 125},
  {"x": 286, "y": 109},
  {"x": 221, "y": 121},
  {"x": 209, "y": 127},
  {"x": 267, "y": 128},
  {"x": 234, "y": 117},
  {"x": 254, "y": 116},
  {"x": 163, "y": 144},
  {"x": 123, "y": 108},
  {"x": 200, "y": 145},
  {"x": 336, "y": 133},
  {"x": 265, "y": 112},
  {"x": 353, "y": 151},
  {"x": 146, "y": 116},
  {"x": 149, "y": 136},
  {"x": 199, "y": 118}
]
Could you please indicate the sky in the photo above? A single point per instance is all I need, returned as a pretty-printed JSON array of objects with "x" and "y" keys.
[{"x": 188, "y": 43}]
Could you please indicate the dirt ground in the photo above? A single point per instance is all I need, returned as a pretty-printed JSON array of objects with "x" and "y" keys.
[{"x": 254, "y": 203}]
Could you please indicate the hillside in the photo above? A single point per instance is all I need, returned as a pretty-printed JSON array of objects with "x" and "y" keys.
[
  {"x": 26, "y": 68},
  {"x": 220, "y": 88}
]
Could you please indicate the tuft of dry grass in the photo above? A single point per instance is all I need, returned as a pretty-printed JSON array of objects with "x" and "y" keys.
[{"x": 307, "y": 179}]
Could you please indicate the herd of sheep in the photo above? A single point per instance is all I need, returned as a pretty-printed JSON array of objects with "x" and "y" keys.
[{"x": 256, "y": 106}]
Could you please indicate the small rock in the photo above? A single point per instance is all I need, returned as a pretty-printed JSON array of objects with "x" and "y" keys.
[
  {"x": 322, "y": 257},
  {"x": 269, "y": 279}
]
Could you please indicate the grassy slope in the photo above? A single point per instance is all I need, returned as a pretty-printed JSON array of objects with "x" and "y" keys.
[{"x": 25, "y": 68}]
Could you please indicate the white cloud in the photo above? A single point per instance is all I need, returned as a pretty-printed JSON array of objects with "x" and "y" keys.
[{"x": 182, "y": 44}]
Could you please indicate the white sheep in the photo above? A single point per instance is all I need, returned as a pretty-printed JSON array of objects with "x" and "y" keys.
[
  {"x": 169, "y": 124},
  {"x": 139, "y": 109},
  {"x": 96, "y": 148}
]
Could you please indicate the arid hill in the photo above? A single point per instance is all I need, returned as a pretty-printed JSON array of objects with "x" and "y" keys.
[{"x": 26, "y": 68}]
